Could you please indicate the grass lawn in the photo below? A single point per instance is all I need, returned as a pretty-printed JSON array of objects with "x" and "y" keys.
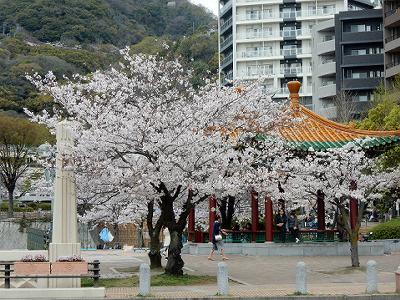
[{"x": 156, "y": 280}]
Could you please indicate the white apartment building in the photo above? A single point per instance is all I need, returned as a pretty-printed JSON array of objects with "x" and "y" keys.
[{"x": 272, "y": 39}]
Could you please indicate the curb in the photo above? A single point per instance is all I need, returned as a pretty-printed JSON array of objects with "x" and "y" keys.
[{"x": 294, "y": 297}]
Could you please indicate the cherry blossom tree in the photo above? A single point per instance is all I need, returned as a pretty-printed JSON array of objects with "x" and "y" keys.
[
  {"x": 177, "y": 144},
  {"x": 340, "y": 176}
]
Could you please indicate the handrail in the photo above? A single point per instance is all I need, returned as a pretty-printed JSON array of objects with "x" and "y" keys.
[
  {"x": 7, "y": 274},
  {"x": 392, "y": 37}
]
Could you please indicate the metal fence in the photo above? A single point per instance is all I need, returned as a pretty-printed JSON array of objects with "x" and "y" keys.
[{"x": 38, "y": 239}]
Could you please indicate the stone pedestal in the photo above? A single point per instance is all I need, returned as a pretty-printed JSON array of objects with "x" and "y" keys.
[
  {"x": 65, "y": 226},
  {"x": 64, "y": 249}
]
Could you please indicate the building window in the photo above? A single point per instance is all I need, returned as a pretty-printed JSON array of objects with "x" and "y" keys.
[
  {"x": 362, "y": 27},
  {"x": 359, "y": 28},
  {"x": 362, "y": 74},
  {"x": 363, "y": 51},
  {"x": 358, "y": 52}
]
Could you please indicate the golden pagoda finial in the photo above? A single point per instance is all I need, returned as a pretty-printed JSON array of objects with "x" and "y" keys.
[{"x": 294, "y": 87}]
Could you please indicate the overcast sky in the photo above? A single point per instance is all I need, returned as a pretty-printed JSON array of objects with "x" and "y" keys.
[{"x": 210, "y": 4}]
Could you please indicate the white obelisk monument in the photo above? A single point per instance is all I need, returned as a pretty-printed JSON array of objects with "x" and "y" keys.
[{"x": 65, "y": 224}]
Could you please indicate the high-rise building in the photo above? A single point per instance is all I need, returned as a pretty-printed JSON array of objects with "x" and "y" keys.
[
  {"x": 272, "y": 39},
  {"x": 359, "y": 55},
  {"x": 348, "y": 60},
  {"x": 391, "y": 17}
]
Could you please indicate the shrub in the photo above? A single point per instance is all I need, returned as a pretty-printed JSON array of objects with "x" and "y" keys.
[
  {"x": 4, "y": 206},
  {"x": 45, "y": 206},
  {"x": 387, "y": 230}
]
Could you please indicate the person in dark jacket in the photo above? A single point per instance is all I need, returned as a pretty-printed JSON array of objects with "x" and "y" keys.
[
  {"x": 293, "y": 224},
  {"x": 280, "y": 222},
  {"x": 217, "y": 242}
]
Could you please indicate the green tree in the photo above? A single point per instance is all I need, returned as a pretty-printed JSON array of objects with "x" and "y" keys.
[
  {"x": 385, "y": 115},
  {"x": 18, "y": 139}
]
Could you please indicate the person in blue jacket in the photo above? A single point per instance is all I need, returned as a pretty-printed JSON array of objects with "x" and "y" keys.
[{"x": 217, "y": 242}]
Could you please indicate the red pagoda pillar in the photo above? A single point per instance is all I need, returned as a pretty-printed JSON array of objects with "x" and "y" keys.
[
  {"x": 191, "y": 225},
  {"x": 269, "y": 231},
  {"x": 254, "y": 215},
  {"x": 212, "y": 208},
  {"x": 321, "y": 210}
]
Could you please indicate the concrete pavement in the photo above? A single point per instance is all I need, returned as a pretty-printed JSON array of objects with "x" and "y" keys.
[{"x": 255, "y": 276}]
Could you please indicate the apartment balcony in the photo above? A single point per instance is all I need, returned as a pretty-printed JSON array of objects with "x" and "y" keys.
[
  {"x": 320, "y": 12},
  {"x": 227, "y": 78},
  {"x": 260, "y": 35},
  {"x": 290, "y": 14},
  {"x": 369, "y": 59},
  {"x": 328, "y": 90},
  {"x": 291, "y": 52},
  {"x": 392, "y": 18},
  {"x": 227, "y": 61},
  {"x": 392, "y": 69},
  {"x": 359, "y": 37},
  {"x": 361, "y": 83},
  {"x": 392, "y": 43},
  {"x": 293, "y": 71},
  {"x": 226, "y": 43},
  {"x": 256, "y": 72},
  {"x": 285, "y": 91},
  {"x": 257, "y": 16},
  {"x": 226, "y": 8},
  {"x": 293, "y": 33},
  {"x": 257, "y": 53},
  {"x": 226, "y": 25},
  {"x": 248, "y": 2},
  {"x": 326, "y": 69},
  {"x": 326, "y": 47}
]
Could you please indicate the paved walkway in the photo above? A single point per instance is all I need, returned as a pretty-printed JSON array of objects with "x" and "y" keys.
[
  {"x": 254, "y": 276},
  {"x": 246, "y": 291}
]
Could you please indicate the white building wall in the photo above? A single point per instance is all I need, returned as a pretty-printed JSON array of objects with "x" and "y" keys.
[
  {"x": 324, "y": 87},
  {"x": 258, "y": 40}
]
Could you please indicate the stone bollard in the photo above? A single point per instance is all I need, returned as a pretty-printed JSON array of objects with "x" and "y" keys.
[
  {"x": 372, "y": 277},
  {"x": 301, "y": 278},
  {"x": 144, "y": 280},
  {"x": 397, "y": 276},
  {"x": 222, "y": 279}
]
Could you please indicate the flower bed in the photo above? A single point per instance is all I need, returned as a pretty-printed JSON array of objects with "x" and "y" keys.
[
  {"x": 29, "y": 265},
  {"x": 69, "y": 265}
]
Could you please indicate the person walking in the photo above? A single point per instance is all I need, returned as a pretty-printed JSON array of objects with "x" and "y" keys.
[
  {"x": 217, "y": 242},
  {"x": 280, "y": 222},
  {"x": 166, "y": 242},
  {"x": 293, "y": 224}
]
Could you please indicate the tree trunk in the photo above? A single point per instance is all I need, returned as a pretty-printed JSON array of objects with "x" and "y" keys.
[
  {"x": 154, "y": 253},
  {"x": 10, "y": 213},
  {"x": 227, "y": 209},
  {"x": 175, "y": 262},
  {"x": 154, "y": 232},
  {"x": 355, "y": 261}
]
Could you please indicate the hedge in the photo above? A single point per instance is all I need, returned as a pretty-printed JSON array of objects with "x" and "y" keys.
[{"x": 387, "y": 230}]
